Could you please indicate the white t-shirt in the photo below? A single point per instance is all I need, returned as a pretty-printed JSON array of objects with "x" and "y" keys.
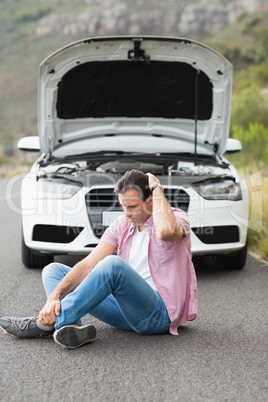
[{"x": 138, "y": 255}]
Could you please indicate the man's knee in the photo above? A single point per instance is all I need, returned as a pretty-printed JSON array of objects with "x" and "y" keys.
[
  {"x": 49, "y": 270},
  {"x": 112, "y": 264},
  {"x": 112, "y": 259}
]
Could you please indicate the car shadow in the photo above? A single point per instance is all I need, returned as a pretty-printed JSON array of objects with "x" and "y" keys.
[{"x": 207, "y": 266}]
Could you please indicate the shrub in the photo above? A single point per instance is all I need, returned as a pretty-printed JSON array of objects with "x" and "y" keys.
[
  {"x": 33, "y": 15},
  {"x": 257, "y": 240},
  {"x": 261, "y": 73},
  {"x": 254, "y": 141},
  {"x": 249, "y": 25},
  {"x": 250, "y": 105}
]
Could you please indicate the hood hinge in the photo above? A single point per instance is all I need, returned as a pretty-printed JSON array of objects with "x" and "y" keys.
[{"x": 215, "y": 146}]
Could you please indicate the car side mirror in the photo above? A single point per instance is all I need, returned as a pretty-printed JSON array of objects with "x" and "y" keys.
[
  {"x": 29, "y": 144},
  {"x": 233, "y": 146}
]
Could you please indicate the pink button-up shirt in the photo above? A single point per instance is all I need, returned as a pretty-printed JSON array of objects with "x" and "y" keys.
[{"x": 170, "y": 265}]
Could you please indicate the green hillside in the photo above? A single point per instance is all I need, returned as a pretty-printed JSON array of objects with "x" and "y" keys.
[
  {"x": 21, "y": 52},
  {"x": 245, "y": 45}
]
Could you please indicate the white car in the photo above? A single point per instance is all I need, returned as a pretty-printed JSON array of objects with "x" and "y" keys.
[{"x": 110, "y": 104}]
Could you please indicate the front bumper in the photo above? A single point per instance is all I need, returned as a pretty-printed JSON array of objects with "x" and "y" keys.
[{"x": 64, "y": 226}]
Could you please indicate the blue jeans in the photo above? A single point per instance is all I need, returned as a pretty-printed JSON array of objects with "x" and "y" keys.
[{"x": 113, "y": 293}]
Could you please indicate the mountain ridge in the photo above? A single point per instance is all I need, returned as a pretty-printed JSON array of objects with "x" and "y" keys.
[{"x": 171, "y": 17}]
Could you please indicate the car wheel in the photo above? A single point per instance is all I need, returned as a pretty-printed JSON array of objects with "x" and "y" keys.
[
  {"x": 234, "y": 261},
  {"x": 33, "y": 260}
]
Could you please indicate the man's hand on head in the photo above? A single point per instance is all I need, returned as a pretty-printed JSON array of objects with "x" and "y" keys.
[
  {"x": 167, "y": 227},
  {"x": 152, "y": 180}
]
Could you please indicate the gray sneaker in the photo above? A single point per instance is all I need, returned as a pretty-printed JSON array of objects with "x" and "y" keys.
[
  {"x": 72, "y": 336},
  {"x": 23, "y": 327}
]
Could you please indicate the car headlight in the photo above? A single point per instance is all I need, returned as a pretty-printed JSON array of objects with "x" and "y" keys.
[
  {"x": 219, "y": 190},
  {"x": 56, "y": 190}
]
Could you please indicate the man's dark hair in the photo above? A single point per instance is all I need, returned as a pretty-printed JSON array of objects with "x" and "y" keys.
[{"x": 133, "y": 180}]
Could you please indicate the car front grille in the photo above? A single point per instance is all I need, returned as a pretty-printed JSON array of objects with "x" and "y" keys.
[
  {"x": 178, "y": 198},
  {"x": 103, "y": 199}
]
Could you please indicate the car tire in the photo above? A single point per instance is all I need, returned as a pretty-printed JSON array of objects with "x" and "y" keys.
[
  {"x": 234, "y": 261},
  {"x": 33, "y": 260}
]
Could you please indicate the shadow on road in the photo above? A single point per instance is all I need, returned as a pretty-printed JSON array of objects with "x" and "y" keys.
[{"x": 208, "y": 266}]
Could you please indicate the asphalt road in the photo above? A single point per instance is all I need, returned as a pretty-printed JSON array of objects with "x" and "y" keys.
[{"x": 221, "y": 356}]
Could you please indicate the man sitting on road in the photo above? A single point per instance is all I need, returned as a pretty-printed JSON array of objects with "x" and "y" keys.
[{"x": 148, "y": 287}]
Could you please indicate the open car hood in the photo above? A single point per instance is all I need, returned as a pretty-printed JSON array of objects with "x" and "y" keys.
[{"x": 125, "y": 89}]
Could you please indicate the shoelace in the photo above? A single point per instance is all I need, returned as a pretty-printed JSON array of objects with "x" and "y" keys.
[{"x": 23, "y": 323}]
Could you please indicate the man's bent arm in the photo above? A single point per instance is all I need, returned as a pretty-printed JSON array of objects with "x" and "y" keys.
[
  {"x": 70, "y": 282},
  {"x": 166, "y": 225}
]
